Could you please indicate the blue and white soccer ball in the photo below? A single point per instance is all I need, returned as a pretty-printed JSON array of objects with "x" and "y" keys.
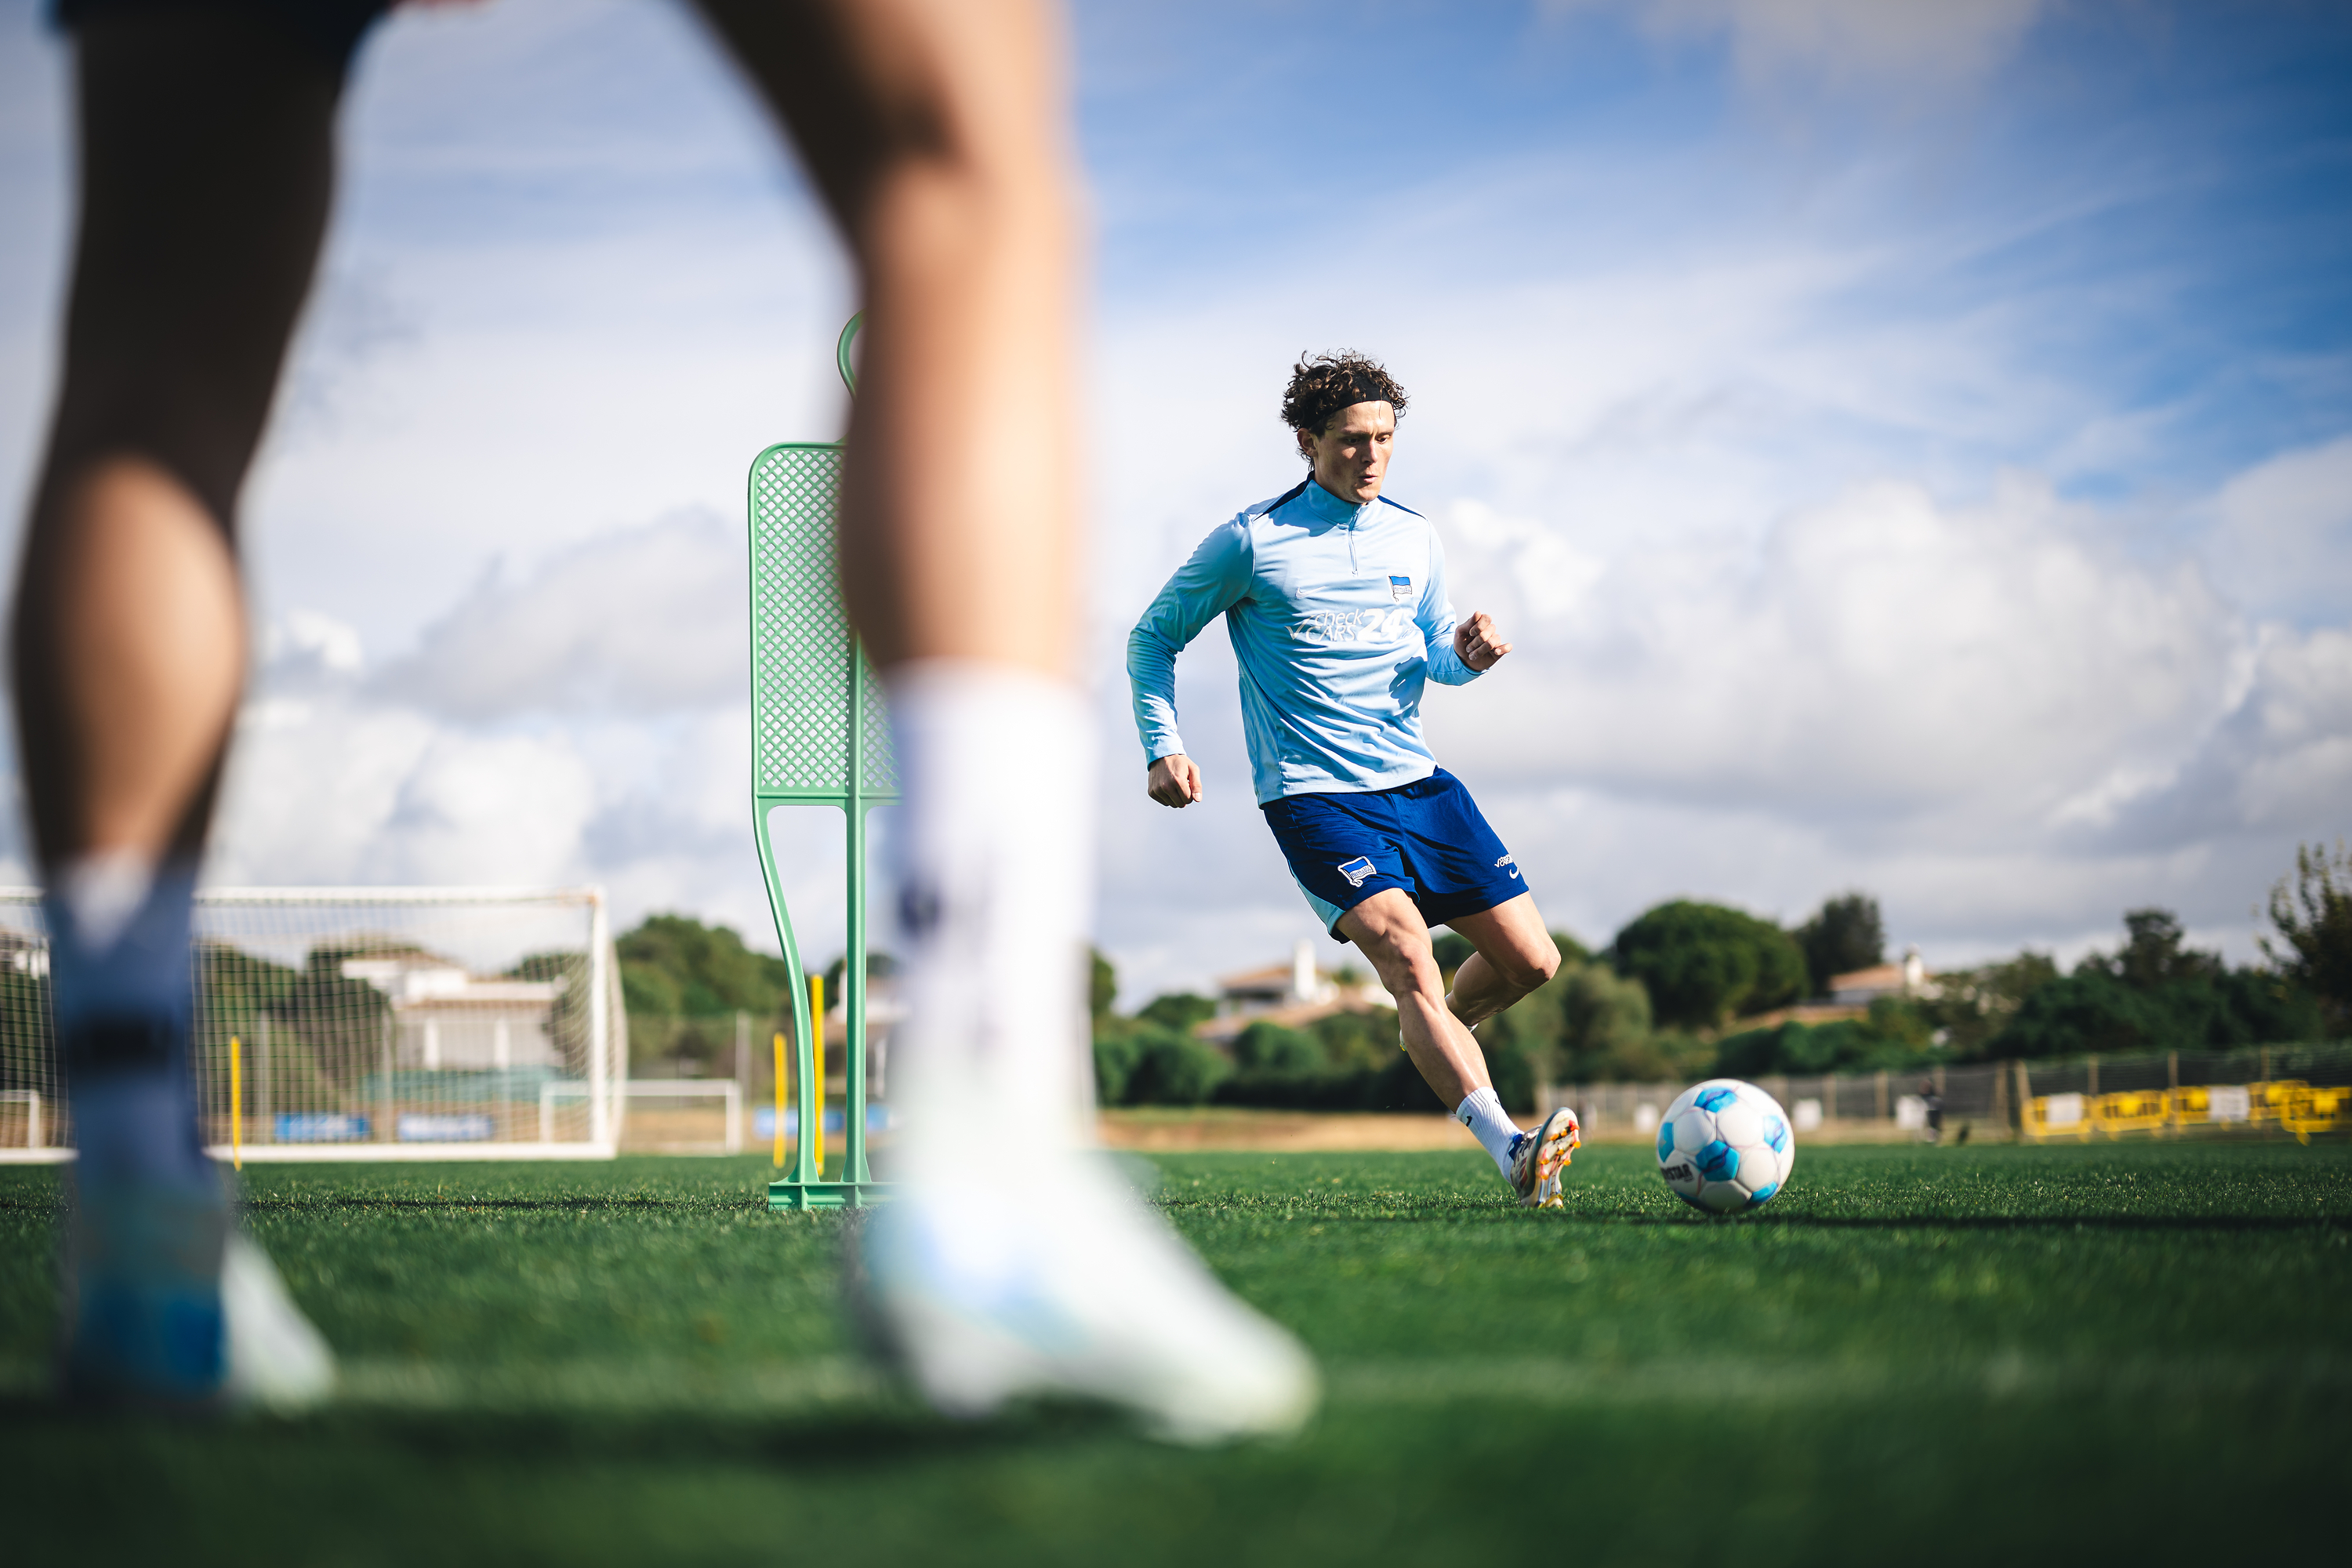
[{"x": 1724, "y": 1146}]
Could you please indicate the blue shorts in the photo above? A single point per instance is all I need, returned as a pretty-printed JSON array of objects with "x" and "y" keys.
[{"x": 1426, "y": 838}]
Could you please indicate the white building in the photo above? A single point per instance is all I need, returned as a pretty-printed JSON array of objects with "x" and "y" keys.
[
  {"x": 447, "y": 1018},
  {"x": 1291, "y": 995},
  {"x": 1864, "y": 986}
]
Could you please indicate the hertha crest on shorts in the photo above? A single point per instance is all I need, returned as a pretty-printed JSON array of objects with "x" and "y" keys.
[{"x": 1356, "y": 871}]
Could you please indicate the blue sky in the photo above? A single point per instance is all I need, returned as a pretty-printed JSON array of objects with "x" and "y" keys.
[{"x": 1910, "y": 443}]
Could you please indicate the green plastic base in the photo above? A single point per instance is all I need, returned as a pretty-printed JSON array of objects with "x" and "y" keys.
[{"x": 792, "y": 1194}]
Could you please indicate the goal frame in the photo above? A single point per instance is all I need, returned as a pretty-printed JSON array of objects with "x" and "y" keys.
[{"x": 606, "y": 1049}]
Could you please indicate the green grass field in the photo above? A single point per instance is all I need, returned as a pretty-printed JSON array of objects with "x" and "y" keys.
[{"x": 2056, "y": 1353}]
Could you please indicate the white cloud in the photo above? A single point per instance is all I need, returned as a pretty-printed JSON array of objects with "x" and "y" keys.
[
  {"x": 334, "y": 780},
  {"x": 1904, "y": 42},
  {"x": 498, "y": 809},
  {"x": 2299, "y": 769},
  {"x": 645, "y": 621},
  {"x": 1880, "y": 658},
  {"x": 2283, "y": 538},
  {"x": 307, "y": 646}
]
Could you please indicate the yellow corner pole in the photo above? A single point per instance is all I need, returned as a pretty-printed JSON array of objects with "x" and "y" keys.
[
  {"x": 236, "y": 1105},
  {"x": 817, "y": 1032},
  {"x": 779, "y": 1099}
]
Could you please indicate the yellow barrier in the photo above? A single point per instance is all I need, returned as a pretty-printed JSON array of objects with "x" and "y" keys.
[
  {"x": 2317, "y": 1110},
  {"x": 2291, "y": 1105},
  {"x": 2270, "y": 1099},
  {"x": 2142, "y": 1110},
  {"x": 2056, "y": 1116}
]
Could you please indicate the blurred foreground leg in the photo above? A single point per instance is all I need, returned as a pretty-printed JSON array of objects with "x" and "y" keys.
[
  {"x": 206, "y": 169},
  {"x": 937, "y": 131}
]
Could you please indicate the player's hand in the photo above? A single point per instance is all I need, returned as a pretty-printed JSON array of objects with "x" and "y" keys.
[
  {"x": 1476, "y": 642},
  {"x": 1174, "y": 781}
]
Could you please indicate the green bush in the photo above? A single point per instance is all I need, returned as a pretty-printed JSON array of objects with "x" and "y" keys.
[
  {"x": 1513, "y": 1071},
  {"x": 1450, "y": 950},
  {"x": 1847, "y": 934},
  {"x": 2312, "y": 913},
  {"x": 1358, "y": 1039},
  {"x": 675, "y": 964},
  {"x": 1848, "y": 1045},
  {"x": 1704, "y": 964},
  {"x": 1178, "y": 1011},
  {"x": 1116, "y": 1056},
  {"x": 1269, "y": 1048},
  {"x": 1173, "y": 1070},
  {"x": 2154, "y": 995},
  {"x": 1605, "y": 1027}
]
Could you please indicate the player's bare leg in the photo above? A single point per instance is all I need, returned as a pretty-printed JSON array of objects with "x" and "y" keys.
[
  {"x": 1514, "y": 955},
  {"x": 937, "y": 131},
  {"x": 1389, "y": 930},
  {"x": 205, "y": 167}
]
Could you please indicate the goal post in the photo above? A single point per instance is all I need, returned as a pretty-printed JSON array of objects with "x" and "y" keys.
[{"x": 364, "y": 1024}]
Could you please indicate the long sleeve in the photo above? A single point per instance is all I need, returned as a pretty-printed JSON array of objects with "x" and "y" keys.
[
  {"x": 1204, "y": 587},
  {"x": 1434, "y": 616}
]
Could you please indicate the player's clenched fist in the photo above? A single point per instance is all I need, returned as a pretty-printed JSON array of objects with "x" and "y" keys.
[
  {"x": 1476, "y": 641},
  {"x": 1174, "y": 780}
]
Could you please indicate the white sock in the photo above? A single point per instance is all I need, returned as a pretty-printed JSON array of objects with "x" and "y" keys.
[
  {"x": 992, "y": 1068},
  {"x": 104, "y": 889},
  {"x": 1482, "y": 1113}
]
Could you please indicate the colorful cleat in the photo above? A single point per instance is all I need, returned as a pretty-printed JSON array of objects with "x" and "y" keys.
[{"x": 1537, "y": 1158}]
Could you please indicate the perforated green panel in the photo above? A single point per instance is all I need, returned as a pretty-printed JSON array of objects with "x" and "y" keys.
[
  {"x": 802, "y": 650},
  {"x": 819, "y": 734}
]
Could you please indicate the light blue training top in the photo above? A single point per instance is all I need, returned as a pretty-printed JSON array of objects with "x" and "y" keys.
[{"x": 1338, "y": 616}]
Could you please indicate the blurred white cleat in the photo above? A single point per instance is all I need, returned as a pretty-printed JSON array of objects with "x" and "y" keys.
[
  {"x": 277, "y": 1360},
  {"x": 1085, "y": 1293}
]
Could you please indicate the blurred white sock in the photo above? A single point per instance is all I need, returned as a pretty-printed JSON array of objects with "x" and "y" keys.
[
  {"x": 995, "y": 881},
  {"x": 102, "y": 890}
]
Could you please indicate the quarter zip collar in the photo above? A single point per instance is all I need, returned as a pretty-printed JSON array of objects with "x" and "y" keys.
[{"x": 1328, "y": 508}]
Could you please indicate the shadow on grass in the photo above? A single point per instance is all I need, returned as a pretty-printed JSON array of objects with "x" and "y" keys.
[
  {"x": 750, "y": 1203},
  {"x": 466, "y": 1204},
  {"x": 894, "y": 1434},
  {"x": 1985, "y": 1222}
]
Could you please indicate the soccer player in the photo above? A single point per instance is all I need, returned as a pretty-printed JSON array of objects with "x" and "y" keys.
[
  {"x": 1335, "y": 598},
  {"x": 936, "y": 133}
]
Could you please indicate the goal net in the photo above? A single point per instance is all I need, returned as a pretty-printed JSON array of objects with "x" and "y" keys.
[{"x": 364, "y": 1024}]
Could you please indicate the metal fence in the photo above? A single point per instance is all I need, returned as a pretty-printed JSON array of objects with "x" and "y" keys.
[{"x": 1988, "y": 1098}]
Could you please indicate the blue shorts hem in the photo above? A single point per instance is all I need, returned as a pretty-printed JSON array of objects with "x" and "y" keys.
[
  {"x": 1426, "y": 836},
  {"x": 1444, "y": 909}
]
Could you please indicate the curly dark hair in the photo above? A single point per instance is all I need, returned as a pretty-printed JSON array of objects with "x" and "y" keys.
[{"x": 1322, "y": 384}]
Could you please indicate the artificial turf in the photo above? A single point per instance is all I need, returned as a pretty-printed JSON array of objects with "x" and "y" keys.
[{"x": 1934, "y": 1354}]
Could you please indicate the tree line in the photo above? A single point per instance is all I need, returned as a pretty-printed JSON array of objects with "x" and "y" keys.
[{"x": 1665, "y": 1001}]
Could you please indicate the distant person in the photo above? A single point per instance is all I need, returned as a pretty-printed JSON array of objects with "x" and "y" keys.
[
  {"x": 937, "y": 134},
  {"x": 1334, "y": 595},
  {"x": 1935, "y": 1104}
]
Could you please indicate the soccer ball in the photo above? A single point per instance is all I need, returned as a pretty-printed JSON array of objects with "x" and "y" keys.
[{"x": 1724, "y": 1146}]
